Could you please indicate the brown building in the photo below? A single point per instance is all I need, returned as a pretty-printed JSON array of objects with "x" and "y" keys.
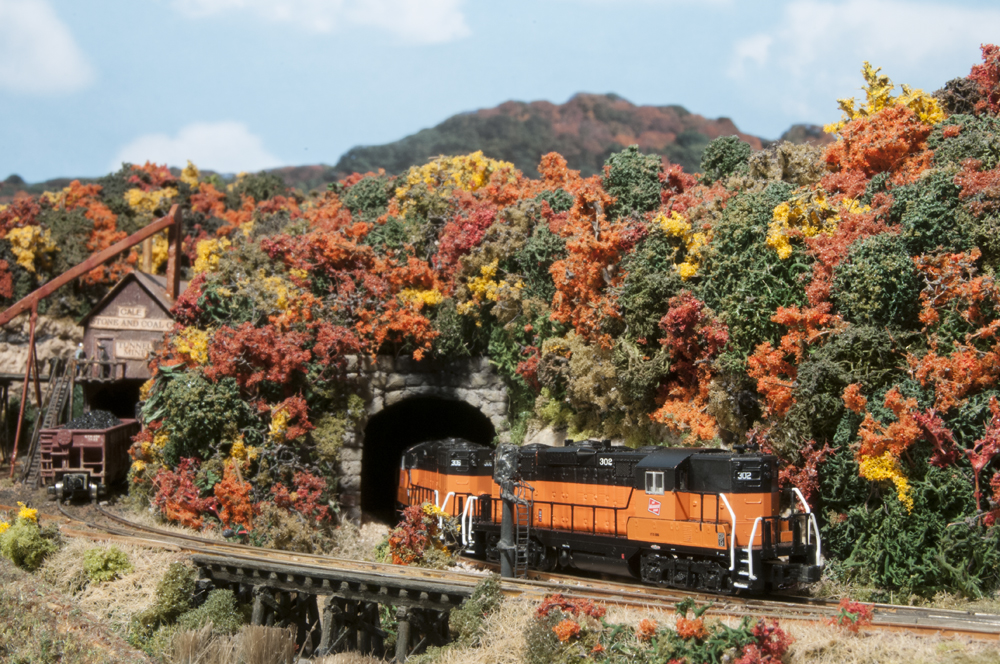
[{"x": 119, "y": 334}]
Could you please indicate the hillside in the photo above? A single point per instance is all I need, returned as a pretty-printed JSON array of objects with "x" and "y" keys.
[{"x": 586, "y": 130}]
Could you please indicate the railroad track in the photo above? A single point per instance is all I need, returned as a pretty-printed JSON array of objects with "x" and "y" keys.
[{"x": 920, "y": 620}]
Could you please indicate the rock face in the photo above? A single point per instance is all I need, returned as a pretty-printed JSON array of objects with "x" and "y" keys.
[
  {"x": 388, "y": 381},
  {"x": 585, "y": 130},
  {"x": 54, "y": 337}
]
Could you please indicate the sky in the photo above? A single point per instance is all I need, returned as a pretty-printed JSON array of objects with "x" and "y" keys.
[{"x": 243, "y": 85}]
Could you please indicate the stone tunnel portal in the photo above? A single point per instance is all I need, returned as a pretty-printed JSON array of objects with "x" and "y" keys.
[{"x": 397, "y": 427}]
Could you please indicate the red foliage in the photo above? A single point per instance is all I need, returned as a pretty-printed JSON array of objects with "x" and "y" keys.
[
  {"x": 460, "y": 235},
  {"x": 151, "y": 176},
  {"x": 853, "y": 615},
  {"x": 986, "y": 448},
  {"x": 235, "y": 499},
  {"x": 894, "y": 140},
  {"x": 208, "y": 200},
  {"x": 693, "y": 338},
  {"x": 6, "y": 281},
  {"x": 177, "y": 497},
  {"x": 334, "y": 343},
  {"x": 410, "y": 539},
  {"x": 528, "y": 368},
  {"x": 805, "y": 475},
  {"x": 575, "y": 607},
  {"x": 980, "y": 189},
  {"x": 298, "y": 416},
  {"x": 186, "y": 310},
  {"x": 987, "y": 78},
  {"x": 772, "y": 643},
  {"x": 22, "y": 211},
  {"x": 993, "y": 517},
  {"x": 940, "y": 436},
  {"x": 251, "y": 355},
  {"x": 306, "y": 497}
]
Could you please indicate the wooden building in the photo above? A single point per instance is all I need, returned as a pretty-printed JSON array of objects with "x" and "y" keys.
[{"x": 119, "y": 334}]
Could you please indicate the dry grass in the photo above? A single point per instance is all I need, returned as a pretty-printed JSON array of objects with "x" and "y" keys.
[
  {"x": 358, "y": 543},
  {"x": 252, "y": 645},
  {"x": 349, "y": 658},
  {"x": 114, "y": 601},
  {"x": 820, "y": 644}
]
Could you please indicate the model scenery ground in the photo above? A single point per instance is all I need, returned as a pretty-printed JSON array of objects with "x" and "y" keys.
[{"x": 836, "y": 306}]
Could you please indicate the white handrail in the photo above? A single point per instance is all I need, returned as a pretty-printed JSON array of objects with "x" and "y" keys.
[
  {"x": 805, "y": 505},
  {"x": 442, "y": 506},
  {"x": 732, "y": 536},
  {"x": 819, "y": 544},
  {"x": 467, "y": 518},
  {"x": 749, "y": 549}
]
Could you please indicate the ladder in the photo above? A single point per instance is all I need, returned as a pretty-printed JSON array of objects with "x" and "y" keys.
[
  {"x": 523, "y": 505},
  {"x": 49, "y": 417}
]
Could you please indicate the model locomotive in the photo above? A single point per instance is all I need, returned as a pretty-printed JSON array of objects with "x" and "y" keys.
[{"x": 700, "y": 519}]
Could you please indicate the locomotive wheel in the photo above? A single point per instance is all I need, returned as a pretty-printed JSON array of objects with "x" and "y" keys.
[{"x": 92, "y": 492}]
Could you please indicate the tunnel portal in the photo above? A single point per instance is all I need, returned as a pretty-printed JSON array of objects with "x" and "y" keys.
[{"x": 407, "y": 423}]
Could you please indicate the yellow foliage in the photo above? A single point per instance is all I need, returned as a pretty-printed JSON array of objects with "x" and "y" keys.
[
  {"x": 208, "y": 253},
  {"x": 281, "y": 291},
  {"x": 421, "y": 297},
  {"x": 145, "y": 389},
  {"x": 878, "y": 96},
  {"x": 148, "y": 202},
  {"x": 677, "y": 226},
  {"x": 29, "y": 243},
  {"x": 26, "y": 513},
  {"x": 433, "y": 510},
  {"x": 485, "y": 288},
  {"x": 810, "y": 213},
  {"x": 161, "y": 247},
  {"x": 886, "y": 467},
  {"x": 240, "y": 451},
  {"x": 466, "y": 172},
  {"x": 3, "y": 527},
  {"x": 279, "y": 425},
  {"x": 190, "y": 175},
  {"x": 193, "y": 343}
]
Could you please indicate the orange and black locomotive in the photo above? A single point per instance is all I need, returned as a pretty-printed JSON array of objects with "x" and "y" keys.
[{"x": 704, "y": 519}]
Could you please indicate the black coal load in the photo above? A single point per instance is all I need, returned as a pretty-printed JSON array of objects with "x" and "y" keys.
[{"x": 95, "y": 419}]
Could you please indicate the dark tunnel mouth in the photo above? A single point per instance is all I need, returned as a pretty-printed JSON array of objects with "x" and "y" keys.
[{"x": 397, "y": 427}]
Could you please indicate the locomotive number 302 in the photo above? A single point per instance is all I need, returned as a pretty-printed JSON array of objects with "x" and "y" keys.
[
  {"x": 744, "y": 475},
  {"x": 605, "y": 461}
]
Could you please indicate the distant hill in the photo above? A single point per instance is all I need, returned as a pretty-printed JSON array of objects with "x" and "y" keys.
[{"x": 586, "y": 130}]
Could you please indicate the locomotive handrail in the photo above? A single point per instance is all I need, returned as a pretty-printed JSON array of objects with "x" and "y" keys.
[
  {"x": 819, "y": 544},
  {"x": 805, "y": 505},
  {"x": 732, "y": 537},
  {"x": 749, "y": 549},
  {"x": 467, "y": 518}
]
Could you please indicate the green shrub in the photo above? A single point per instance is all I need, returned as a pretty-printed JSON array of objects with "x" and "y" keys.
[
  {"x": 258, "y": 186},
  {"x": 105, "y": 563},
  {"x": 978, "y": 138},
  {"x": 533, "y": 261},
  {"x": 369, "y": 198},
  {"x": 877, "y": 284},
  {"x": 220, "y": 609},
  {"x": 173, "y": 598},
  {"x": 931, "y": 214},
  {"x": 725, "y": 156},
  {"x": 633, "y": 179},
  {"x": 467, "y": 620},
  {"x": 559, "y": 200},
  {"x": 24, "y": 545}
]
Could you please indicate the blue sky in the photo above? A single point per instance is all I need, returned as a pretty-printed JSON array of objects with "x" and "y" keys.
[{"x": 250, "y": 84}]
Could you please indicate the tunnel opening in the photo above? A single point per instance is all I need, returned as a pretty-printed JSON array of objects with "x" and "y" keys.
[
  {"x": 118, "y": 398},
  {"x": 401, "y": 425}
]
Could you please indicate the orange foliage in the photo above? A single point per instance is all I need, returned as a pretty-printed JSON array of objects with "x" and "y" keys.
[
  {"x": 566, "y": 629},
  {"x": 691, "y": 629},
  {"x": 235, "y": 499},
  {"x": 775, "y": 377},
  {"x": 892, "y": 140},
  {"x": 877, "y": 438},
  {"x": 646, "y": 629},
  {"x": 853, "y": 399},
  {"x": 956, "y": 376}
]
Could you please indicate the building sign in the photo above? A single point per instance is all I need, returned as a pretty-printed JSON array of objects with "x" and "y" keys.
[
  {"x": 133, "y": 350},
  {"x": 136, "y": 311},
  {"x": 123, "y": 323}
]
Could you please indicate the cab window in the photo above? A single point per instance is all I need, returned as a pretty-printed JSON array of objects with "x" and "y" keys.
[{"x": 654, "y": 482}]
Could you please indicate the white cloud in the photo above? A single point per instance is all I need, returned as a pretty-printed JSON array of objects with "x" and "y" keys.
[
  {"x": 38, "y": 54},
  {"x": 416, "y": 21},
  {"x": 226, "y": 147},
  {"x": 881, "y": 31}
]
